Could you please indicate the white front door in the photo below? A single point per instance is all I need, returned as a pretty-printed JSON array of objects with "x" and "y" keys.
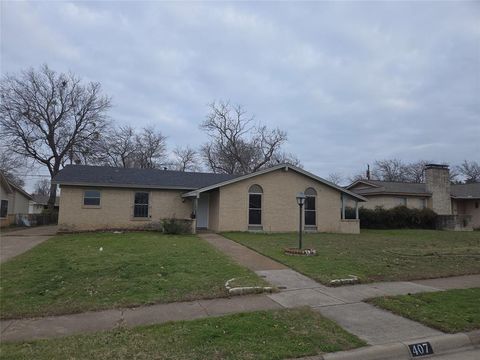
[{"x": 202, "y": 211}]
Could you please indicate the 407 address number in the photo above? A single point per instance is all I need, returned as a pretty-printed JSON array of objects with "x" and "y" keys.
[{"x": 421, "y": 349}]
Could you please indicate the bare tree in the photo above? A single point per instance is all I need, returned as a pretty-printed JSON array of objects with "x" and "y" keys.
[
  {"x": 42, "y": 187},
  {"x": 335, "y": 178},
  {"x": 415, "y": 171},
  {"x": 469, "y": 170},
  {"x": 282, "y": 157},
  {"x": 237, "y": 145},
  {"x": 151, "y": 148},
  {"x": 390, "y": 170},
  {"x": 10, "y": 163},
  {"x": 124, "y": 146},
  {"x": 48, "y": 116},
  {"x": 118, "y": 147},
  {"x": 360, "y": 176},
  {"x": 186, "y": 159}
]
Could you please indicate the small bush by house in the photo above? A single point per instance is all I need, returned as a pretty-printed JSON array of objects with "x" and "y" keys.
[{"x": 177, "y": 226}]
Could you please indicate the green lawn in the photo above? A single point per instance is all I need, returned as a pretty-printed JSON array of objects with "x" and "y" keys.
[
  {"x": 449, "y": 311},
  {"x": 258, "y": 335},
  {"x": 375, "y": 255},
  {"x": 69, "y": 273}
]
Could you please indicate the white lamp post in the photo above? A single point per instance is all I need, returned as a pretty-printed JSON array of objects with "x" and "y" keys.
[{"x": 300, "y": 202}]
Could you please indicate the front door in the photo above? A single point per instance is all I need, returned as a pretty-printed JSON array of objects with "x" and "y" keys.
[{"x": 202, "y": 211}]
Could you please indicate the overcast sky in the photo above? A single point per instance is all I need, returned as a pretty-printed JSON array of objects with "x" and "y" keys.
[{"x": 349, "y": 82}]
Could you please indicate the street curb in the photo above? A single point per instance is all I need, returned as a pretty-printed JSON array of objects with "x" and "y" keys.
[
  {"x": 376, "y": 352},
  {"x": 441, "y": 345}
]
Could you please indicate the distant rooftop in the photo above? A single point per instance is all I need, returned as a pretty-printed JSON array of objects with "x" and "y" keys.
[
  {"x": 467, "y": 191},
  {"x": 393, "y": 187}
]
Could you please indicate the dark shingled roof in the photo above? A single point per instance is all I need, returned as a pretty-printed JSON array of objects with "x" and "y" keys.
[
  {"x": 392, "y": 187},
  {"x": 465, "y": 191},
  {"x": 128, "y": 177}
]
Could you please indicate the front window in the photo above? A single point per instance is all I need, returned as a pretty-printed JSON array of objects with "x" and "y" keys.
[
  {"x": 4, "y": 209},
  {"x": 91, "y": 198},
  {"x": 140, "y": 208},
  {"x": 310, "y": 207},
  {"x": 255, "y": 205}
]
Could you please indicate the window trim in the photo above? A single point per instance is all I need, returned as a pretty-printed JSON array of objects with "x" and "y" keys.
[
  {"x": 6, "y": 212},
  {"x": 314, "y": 196},
  {"x": 258, "y": 227},
  {"x": 149, "y": 205},
  {"x": 90, "y": 197}
]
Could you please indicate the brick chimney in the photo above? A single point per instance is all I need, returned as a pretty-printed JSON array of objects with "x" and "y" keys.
[{"x": 437, "y": 180}]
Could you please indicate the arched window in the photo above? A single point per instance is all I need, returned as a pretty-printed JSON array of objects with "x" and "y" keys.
[
  {"x": 310, "y": 207},
  {"x": 255, "y": 205}
]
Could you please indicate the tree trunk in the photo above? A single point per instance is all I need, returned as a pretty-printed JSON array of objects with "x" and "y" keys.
[{"x": 52, "y": 198}]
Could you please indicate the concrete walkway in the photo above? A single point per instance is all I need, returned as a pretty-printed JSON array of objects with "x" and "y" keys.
[
  {"x": 241, "y": 254},
  {"x": 344, "y": 304},
  {"x": 16, "y": 242}
]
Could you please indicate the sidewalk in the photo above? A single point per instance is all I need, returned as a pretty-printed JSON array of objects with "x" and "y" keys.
[{"x": 55, "y": 326}]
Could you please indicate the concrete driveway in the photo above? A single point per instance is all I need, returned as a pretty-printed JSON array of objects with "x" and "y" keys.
[{"x": 16, "y": 242}]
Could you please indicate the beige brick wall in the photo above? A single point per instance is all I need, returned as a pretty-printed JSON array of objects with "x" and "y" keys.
[
  {"x": 349, "y": 226},
  {"x": 279, "y": 205},
  {"x": 417, "y": 202},
  {"x": 116, "y": 209}
]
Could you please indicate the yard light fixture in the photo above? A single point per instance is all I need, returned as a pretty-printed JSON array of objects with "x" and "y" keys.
[{"x": 300, "y": 202}]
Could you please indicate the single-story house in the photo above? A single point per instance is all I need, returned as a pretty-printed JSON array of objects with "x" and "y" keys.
[
  {"x": 14, "y": 201},
  {"x": 461, "y": 201},
  {"x": 98, "y": 197},
  {"x": 39, "y": 203}
]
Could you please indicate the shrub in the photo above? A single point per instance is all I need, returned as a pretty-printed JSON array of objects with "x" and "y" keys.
[
  {"x": 176, "y": 226},
  {"x": 399, "y": 217}
]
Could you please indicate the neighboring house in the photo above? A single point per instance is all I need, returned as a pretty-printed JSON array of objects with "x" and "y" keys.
[
  {"x": 94, "y": 197},
  {"x": 14, "y": 201},
  {"x": 437, "y": 193},
  {"x": 39, "y": 203}
]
